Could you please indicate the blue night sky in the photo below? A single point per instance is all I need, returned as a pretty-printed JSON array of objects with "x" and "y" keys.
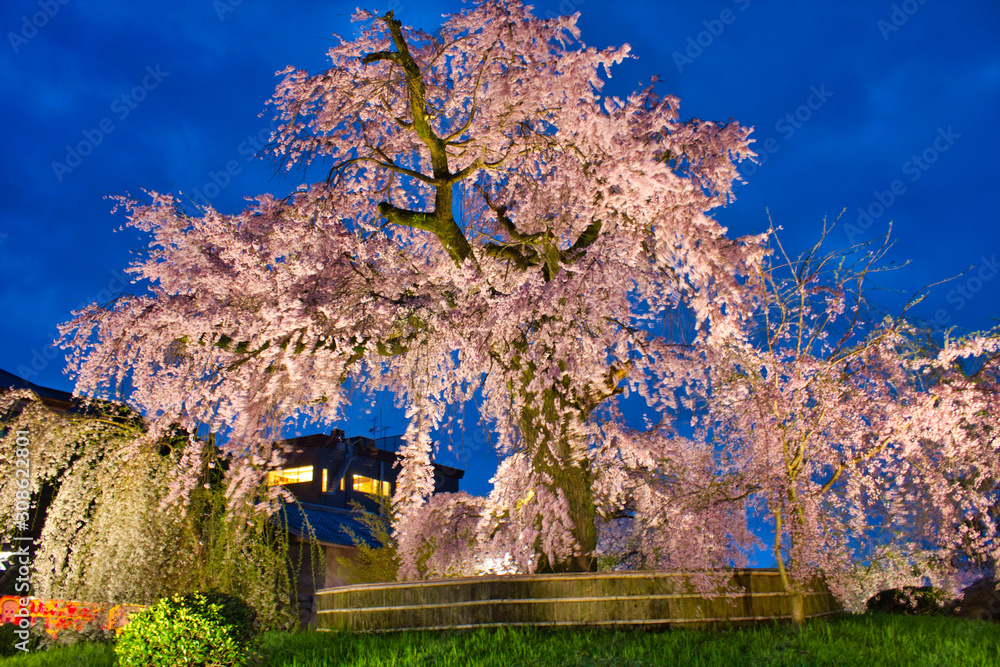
[{"x": 886, "y": 109}]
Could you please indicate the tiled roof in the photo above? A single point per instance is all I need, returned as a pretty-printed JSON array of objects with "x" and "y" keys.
[
  {"x": 329, "y": 524},
  {"x": 11, "y": 381}
]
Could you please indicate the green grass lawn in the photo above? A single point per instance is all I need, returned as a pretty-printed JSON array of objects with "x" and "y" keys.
[{"x": 869, "y": 641}]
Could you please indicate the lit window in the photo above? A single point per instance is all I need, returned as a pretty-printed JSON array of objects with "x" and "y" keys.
[
  {"x": 325, "y": 479},
  {"x": 367, "y": 485},
  {"x": 290, "y": 476}
]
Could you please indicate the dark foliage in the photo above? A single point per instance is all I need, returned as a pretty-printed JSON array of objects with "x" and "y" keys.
[
  {"x": 980, "y": 600},
  {"x": 8, "y": 640},
  {"x": 236, "y": 613},
  {"x": 910, "y": 600}
]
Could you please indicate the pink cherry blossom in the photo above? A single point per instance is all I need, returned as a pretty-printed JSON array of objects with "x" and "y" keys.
[{"x": 488, "y": 224}]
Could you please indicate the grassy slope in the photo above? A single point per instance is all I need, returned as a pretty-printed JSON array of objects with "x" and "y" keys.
[{"x": 868, "y": 641}]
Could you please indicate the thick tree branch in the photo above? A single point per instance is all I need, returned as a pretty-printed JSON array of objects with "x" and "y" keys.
[
  {"x": 524, "y": 260},
  {"x": 441, "y": 222},
  {"x": 380, "y": 55},
  {"x": 407, "y": 218},
  {"x": 447, "y": 231},
  {"x": 504, "y": 220},
  {"x": 588, "y": 236},
  {"x": 418, "y": 96}
]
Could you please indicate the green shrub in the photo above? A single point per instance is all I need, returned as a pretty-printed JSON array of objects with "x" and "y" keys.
[
  {"x": 911, "y": 601},
  {"x": 235, "y": 612},
  {"x": 8, "y": 640},
  {"x": 192, "y": 630}
]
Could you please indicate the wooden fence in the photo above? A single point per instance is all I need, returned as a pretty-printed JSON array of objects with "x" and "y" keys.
[{"x": 595, "y": 599}]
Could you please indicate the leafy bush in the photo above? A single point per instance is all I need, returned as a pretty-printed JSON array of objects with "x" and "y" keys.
[
  {"x": 8, "y": 640},
  {"x": 911, "y": 601},
  {"x": 191, "y": 630},
  {"x": 236, "y": 613}
]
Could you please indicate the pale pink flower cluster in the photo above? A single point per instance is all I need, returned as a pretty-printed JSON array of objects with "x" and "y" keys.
[
  {"x": 873, "y": 453},
  {"x": 103, "y": 534}
]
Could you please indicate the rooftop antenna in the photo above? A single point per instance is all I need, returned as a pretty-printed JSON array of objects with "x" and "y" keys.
[{"x": 376, "y": 429}]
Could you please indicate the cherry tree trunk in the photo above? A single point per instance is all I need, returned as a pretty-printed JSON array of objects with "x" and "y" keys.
[
  {"x": 559, "y": 454},
  {"x": 797, "y": 599},
  {"x": 575, "y": 482}
]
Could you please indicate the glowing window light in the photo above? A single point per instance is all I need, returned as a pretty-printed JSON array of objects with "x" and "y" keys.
[
  {"x": 364, "y": 484},
  {"x": 290, "y": 476}
]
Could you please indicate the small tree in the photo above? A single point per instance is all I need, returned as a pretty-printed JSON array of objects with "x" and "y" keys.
[
  {"x": 378, "y": 562},
  {"x": 867, "y": 448},
  {"x": 106, "y": 534},
  {"x": 92, "y": 507}
]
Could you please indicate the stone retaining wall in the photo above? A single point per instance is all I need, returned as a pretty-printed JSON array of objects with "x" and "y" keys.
[{"x": 601, "y": 598}]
